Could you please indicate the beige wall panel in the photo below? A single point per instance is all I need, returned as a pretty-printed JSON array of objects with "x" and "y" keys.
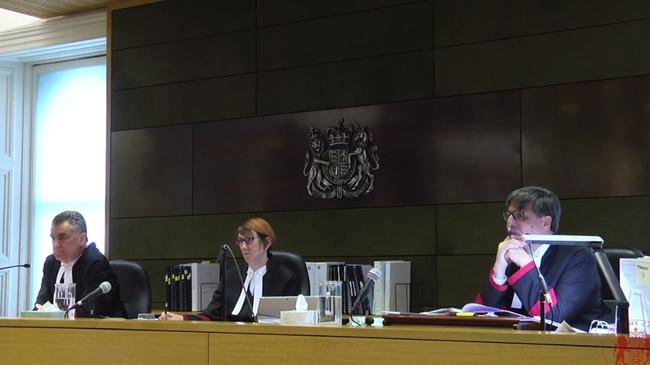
[
  {"x": 108, "y": 347},
  {"x": 230, "y": 349}
]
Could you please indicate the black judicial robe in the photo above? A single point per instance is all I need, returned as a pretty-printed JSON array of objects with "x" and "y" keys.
[
  {"x": 90, "y": 270},
  {"x": 572, "y": 277},
  {"x": 279, "y": 280}
]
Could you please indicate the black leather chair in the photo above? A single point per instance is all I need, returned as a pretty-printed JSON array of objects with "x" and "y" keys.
[
  {"x": 134, "y": 287},
  {"x": 297, "y": 263},
  {"x": 613, "y": 255}
]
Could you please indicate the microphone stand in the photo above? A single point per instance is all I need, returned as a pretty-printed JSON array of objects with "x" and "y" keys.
[
  {"x": 91, "y": 307},
  {"x": 542, "y": 307},
  {"x": 12, "y": 266},
  {"x": 221, "y": 259},
  {"x": 241, "y": 281},
  {"x": 597, "y": 245},
  {"x": 358, "y": 303},
  {"x": 544, "y": 296}
]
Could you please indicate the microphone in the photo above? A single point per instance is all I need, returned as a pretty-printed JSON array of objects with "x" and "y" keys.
[
  {"x": 222, "y": 253},
  {"x": 103, "y": 288},
  {"x": 241, "y": 282},
  {"x": 373, "y": 275},
  {"x": 26, "y": 266}
]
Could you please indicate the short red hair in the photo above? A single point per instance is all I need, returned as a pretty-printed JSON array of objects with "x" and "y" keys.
[{"x": 258, "y": 225}]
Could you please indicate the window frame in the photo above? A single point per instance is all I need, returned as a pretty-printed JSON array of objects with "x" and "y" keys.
[
  {"x": 34, "y": 237},
  {"x": 65, "y": 38}
]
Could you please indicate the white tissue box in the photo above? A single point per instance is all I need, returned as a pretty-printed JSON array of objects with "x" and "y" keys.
[
  {"x": 41, "y": 314},
  {"x": 299, "y": 317}
]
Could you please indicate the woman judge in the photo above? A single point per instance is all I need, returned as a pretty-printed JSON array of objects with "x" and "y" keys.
[{"x": 264, "y": 277}]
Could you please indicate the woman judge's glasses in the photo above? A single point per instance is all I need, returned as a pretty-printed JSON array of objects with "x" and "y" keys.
[
  {"x": 518, "y": 215},
  {"x": 240, "y": 241}
]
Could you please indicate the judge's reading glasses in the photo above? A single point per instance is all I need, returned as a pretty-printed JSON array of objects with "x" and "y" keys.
[
  {"x": 518, "y": 215},
  {"x": 245, "y": 240}
]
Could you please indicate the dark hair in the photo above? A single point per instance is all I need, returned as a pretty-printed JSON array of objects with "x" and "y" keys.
[
  {"x": 75, "y": 219},
  {"x": 540, "y": 200}
]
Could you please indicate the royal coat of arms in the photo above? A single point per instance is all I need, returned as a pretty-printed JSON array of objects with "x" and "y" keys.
[{"x": 341, "y": 163}]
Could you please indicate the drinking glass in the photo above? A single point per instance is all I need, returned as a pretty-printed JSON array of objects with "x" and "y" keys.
[
  {"x": 64, "y": 297},
  {"x": 330, "y": 302},
  {"x": 639, "y": 321}
]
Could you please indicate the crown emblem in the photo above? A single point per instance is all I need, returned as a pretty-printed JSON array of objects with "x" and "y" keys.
[{"x": 340, "y": 134}]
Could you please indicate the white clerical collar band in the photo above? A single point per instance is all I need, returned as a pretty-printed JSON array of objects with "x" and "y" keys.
[
  {"x": 537, "y": 257},
  {"x": 539, "y": 253},
  {"x": 254, "y": 280},
  {"x": 65, "y": 272}
]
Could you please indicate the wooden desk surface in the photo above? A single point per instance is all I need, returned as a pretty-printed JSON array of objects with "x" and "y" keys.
[{"x": 32, "y": 341}]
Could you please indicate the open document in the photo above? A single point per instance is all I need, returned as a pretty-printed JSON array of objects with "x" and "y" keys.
[
  {"x": 475, "y": 309},
  {"x": 480, "y": 310}
]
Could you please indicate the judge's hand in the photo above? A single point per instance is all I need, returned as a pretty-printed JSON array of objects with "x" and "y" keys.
[
  {"x": 519, "y": 256},
  {"x": 509, "y": 250},
  {"x": 169, "y": 316}
]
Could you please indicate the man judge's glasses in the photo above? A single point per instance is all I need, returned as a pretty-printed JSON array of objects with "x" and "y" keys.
[{"x": 518, "y": 215}]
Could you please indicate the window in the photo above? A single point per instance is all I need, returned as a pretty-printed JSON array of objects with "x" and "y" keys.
[
  {"x": 37, "y": 46},
  {"x": 69, "y": 151}
]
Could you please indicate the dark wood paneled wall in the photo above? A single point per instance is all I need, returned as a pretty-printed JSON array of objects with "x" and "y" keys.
[{"x": 211, "y": 103}]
